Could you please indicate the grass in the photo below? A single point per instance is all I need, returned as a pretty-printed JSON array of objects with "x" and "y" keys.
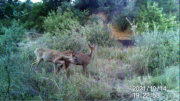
[{"x": 111, "y": 75}]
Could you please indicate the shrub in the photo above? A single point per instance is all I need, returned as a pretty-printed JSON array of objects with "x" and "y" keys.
[
  {"x": 100, "y": 34},
  {"x": 80, "y": 15},
  {"x": 153, "y": 14},
  {"x": 67, "y": 26},
  {"x": 60, "y": 22},
  {"x": 157, "y": 49},
  {"x": 12, "y": 35},
  {"x": 18, "y": 64},
  {"x": 32, "y": 16},
  {"x": 64, "y": 42}
]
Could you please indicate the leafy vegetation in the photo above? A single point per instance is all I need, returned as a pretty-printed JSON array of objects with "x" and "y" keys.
[
  {"x": 153, "y": 15},
  {"x": 100, "y": 34},
  {"x": 61, "y": 22},
  {"x": 114, "y": 70},
  {"x": 159, "y": 48},
  {"x": 11, "y": 36}
]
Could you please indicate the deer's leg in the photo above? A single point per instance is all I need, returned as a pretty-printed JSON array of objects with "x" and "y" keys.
[
  {"x": 67, "y": 63},
  {"x": 55, "y": 68},
  {"x": 38, "y": 62},
  {"x": 84, "y": 69},
  {"x": 59, "y": 68},
  {"x": 58, "y": 62}
]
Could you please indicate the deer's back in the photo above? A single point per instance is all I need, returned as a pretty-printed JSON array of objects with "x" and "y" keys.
[
  {"x": 47, "y": 54},
  {"x": 81, "y": 57}
]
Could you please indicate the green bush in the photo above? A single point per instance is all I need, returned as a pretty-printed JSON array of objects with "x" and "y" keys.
[
  {"x": 153, "y": 14},
  {"x": 61, "y": 22},
  {"x": 18, "y": 64},
  {"x": 80, "y": 15},
  {"x": 27, "y": 13},
  {"x": 64, "y": 42},
  {"x": 65, "y": 25},
  {"x": 12, "y": 35},
  {"x": 32, "y": 15},
  {"x": 100, "y": 34},
  {"x": 158, "y": 49}
]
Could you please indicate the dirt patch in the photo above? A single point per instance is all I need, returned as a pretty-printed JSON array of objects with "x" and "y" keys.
[
  {"x": 102, "y": 15},
  {"x": 125, "y": 35}
]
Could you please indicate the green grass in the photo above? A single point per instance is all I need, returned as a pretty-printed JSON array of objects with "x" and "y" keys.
[{"x": 110, "y": 76}]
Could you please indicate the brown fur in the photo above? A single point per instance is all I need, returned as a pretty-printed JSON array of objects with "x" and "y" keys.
[
  {"x": 79, "y": 58},
  {"x": 49, "y": 55}
]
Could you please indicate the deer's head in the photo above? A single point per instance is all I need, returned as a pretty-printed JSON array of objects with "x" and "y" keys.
[
  {"x": 74, "y": 57},
  {"x": 92, "y": 47}
]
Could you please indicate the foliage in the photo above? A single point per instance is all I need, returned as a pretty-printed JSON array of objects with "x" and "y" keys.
[
  {"x": 126, "y": 10},
  {"x": 52, "y": 5},
  {"x": 8, "y": 8},
  {"x": 64, "y": 42},
  {"x": 99, "y": 34},
  {"x": 158, "y": 49},
  {"x": 12, "y": 35},
  {"x": 32, "y": 16},
  {"x": 169, "y": 6},
  {"x": 113, "y": 70},
  {"x": 80, "y": 15},
  {"x": 26, "y": 13},
  {"x": 60, "y": 22},
  {"x": 152, "y": 14},
  {"x": 92, "y": 5}
]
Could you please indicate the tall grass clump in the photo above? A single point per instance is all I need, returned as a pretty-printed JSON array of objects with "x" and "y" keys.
[{"x": 157, "y": 49}]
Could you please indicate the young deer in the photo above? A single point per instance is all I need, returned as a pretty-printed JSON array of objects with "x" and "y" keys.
[
  {"x": 79, "y": 58},
  {"x": 49, "y": 55}
]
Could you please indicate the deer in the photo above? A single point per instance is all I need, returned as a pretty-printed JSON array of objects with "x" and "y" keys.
[
  {"x": 79, "y": 58},
  {"x": 48, "y": 55}
]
